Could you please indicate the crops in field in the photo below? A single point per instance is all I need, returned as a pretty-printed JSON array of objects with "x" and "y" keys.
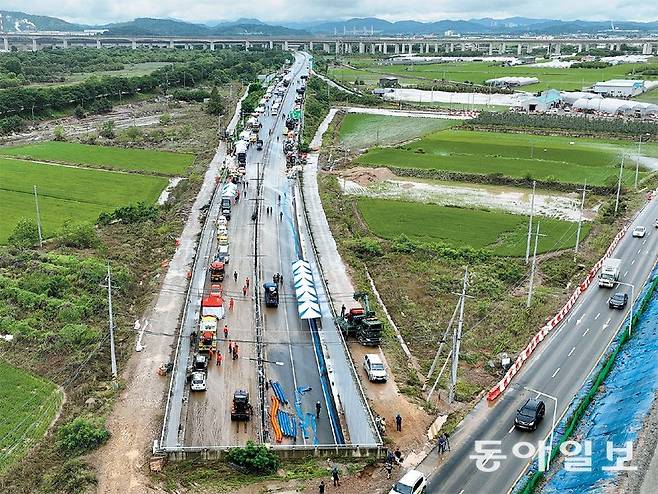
[
  {"x": 67, "y": 193},
  {"x": 504, "y": 234},
  {"x": 360, "y": 130},
  {"x": 27, "y": 406},
  {"x": 546, "y": 158},
  {"x": 478, "y": 72},
  {"x": 142, "y": 160}
]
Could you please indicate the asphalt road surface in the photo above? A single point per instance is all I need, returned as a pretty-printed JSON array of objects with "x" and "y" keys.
[
  {"x": 559, "y": 367},
  {"x": 287, "y": 339}
]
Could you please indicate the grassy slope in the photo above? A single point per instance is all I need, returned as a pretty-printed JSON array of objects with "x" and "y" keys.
[
  {"x": 361, "y": 130},
  {"x": 515, "y": 155},
  {"x": 504, "y": 233},
  {"x": 147, "y": 160},
  {"x": 67, "y": 193},
  {"x": 478, "y": 72},
  {"x": 27, "y": 406}
]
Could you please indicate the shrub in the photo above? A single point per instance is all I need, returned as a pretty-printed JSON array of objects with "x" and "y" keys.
[
  {"x": 77, "y": 335},
  {"x": 107, "y": 130},
  {"x": 79, "y": 112},
  {"x": 81, "y": 435},
  {"x": 365, "y": 247},
  {"x": 78, "y": 235},
  {"x": 59, "y": 134},
  {"x": 25, "y": 234},
  {"x": 73, "y": 477},
  {"x": 256, "y": 459},
  {"x": 133, "y": 213},
  {"x": 165, "y": 119}
]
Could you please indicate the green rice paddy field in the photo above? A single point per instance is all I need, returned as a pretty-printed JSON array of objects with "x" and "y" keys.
[
  {"x": 143, "y": 160},
  {"x": 70, "y": 193},
  {"x": 28, "y": 405},
  {"x": 503, "y": 233},
  {"x": 561, "y": 159},
  {"x": 359, "y": 130},
  {"x": 567, "y": 79}
]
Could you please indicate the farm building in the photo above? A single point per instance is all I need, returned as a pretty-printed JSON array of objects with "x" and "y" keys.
[
  {"x": 389, "y": 81},
  {"x": 613, "y": 106},
  {"x": 619, "y": 88},
  {"x": 508, "y": 82},
  {"x": 570, "y": 97},
  {"x": 542, "y": 103}
]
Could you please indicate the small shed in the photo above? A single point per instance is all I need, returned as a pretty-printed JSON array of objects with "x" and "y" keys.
[{"x": 389, "y": 81}]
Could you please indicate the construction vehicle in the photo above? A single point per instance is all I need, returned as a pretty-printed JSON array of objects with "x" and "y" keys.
[
  {"x": 361, "y": 322},
  {"x": 208, "y": 334},
  {"x": 271, "y": 294},
  {"x": 241, "y": 410},
  {"x": 217, "y": 271},
  {"x": 610, "y": 272}
]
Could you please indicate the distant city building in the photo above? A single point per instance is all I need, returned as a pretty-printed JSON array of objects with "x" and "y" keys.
[
  {"x": 389, "y": 81},
  {"x": 619, "y": 88}
]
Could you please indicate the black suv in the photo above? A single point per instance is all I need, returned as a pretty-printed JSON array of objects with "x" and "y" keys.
[
  {"x": 530, "y": 414},
  {"x": 618, "y": 300}
]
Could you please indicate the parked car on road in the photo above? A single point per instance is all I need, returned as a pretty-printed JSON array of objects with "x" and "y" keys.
[
  {"x": 413, "y": 482},
  {"x": 618, "y": 300},
  {"x": 530, "y": 414},
  {"x": 198, "y": 381},
  {"x": 374, "y": 368}
]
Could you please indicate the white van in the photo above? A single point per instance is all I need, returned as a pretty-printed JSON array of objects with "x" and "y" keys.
[
  {"x": 413, "y": 482},
  {"x": 374, "y": 368}
]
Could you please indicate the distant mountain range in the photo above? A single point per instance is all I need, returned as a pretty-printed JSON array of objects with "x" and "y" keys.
[{"x": 23, "y": 22}]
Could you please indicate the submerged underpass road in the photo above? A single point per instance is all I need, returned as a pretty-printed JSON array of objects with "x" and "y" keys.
[{"x": 559, "y": 367}]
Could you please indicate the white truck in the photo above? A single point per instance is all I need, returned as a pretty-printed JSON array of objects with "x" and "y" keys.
[{"x": 610, "y": 272}]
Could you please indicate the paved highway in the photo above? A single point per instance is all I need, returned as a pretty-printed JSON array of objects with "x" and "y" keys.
[
  {"x": 559, "y": 367},
  {"x": 287, "y": 339}
]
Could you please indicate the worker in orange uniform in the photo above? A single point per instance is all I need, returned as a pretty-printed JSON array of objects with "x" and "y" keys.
[
  {"x": 225, "y": 331},
  {"x": 219, "y": 358},
  {"x": 231, "y": 303}
]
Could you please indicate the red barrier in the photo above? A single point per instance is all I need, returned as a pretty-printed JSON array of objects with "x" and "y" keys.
[{"x": 525, "y": 354}]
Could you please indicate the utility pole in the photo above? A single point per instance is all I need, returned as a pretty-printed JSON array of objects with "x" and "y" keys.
[
  {"x": 109, "y": 306},
  {"x": 534, "y": 266},
  {"x": 621, "y": 171},
  {"x": 36, "y": 203},
  {"x": 580, "y": 222},
  {"x": 532, "y": 212},
  {"x": 637, "y": 163},
  {"x": 456, "y": 340}
]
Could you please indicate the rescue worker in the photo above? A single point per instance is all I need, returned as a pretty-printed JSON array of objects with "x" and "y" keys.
[
  {"x": 219, "y": 358},
  {"x": 231, "y": 303},
  {"x": 225, "y": 331},
  {"x": 318, "y": 407}
]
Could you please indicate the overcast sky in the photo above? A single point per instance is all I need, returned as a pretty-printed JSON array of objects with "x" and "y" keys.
[{"x": 101, "y": 11}]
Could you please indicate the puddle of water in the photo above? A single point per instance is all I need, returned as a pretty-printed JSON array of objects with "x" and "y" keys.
[
  {"x": 513, "y": 200},
  {"x": 164, "y": 195}
]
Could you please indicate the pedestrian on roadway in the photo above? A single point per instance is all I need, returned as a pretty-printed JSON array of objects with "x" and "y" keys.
[
  {"x": 225, "y": 331},
  {"x": 193, "y": 337},
  {"x": 235, "y": 351},
  {"x": 318, "y": 407},
  {"x": 445, "y": 434},
  {"x": 442, "y": 444},
  {"x": 231, "y": 303},
  {"x": 398, "y": 423},
  {"x": 334, "y": 475},
  {"x": 321, "y": 488},
  {"x": 244, "y": 290},
  {"x": 219, "y": 358},
  {"x": 398, "y": 455},
  {"x": 280, "y": 215},
  {"x": 235, "y": 275},
  {"x": 247, "y": 282},
  {"x": 230, "y": 347}
]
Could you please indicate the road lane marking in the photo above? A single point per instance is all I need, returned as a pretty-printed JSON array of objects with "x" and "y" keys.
[
  {"x": 555, "y": 373},
  {"x": 597, "y": 316},
  {"x": 639, "y": 250},
  {"x": 633, "y": 261},
  {"x": 644, "y": 241},
  {"x": 607, "y": 323},
  {"x": 509, "y": 432},
  {"x": 572, "y": 350},
  {"x": 586, "y": 331},
  {"x": 578, "y": 320}
]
